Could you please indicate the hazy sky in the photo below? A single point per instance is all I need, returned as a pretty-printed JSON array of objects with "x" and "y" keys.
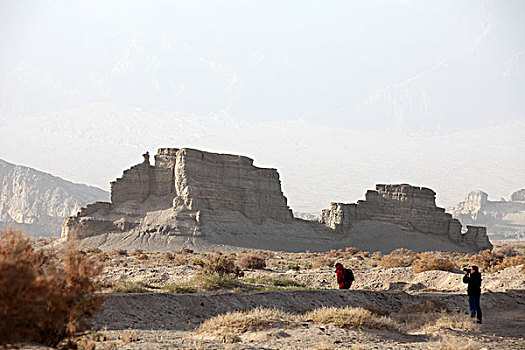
[{"x": 405, "y": 65}]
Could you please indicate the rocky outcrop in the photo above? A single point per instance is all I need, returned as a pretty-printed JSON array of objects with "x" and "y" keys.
[
  {"x": 38, "y": 202},
  {"x": 504, "y": 219},
  {"x": 414, "y": 208},
  {"x": 181, "y": 190},
  {"x": 211, "y": 201}
]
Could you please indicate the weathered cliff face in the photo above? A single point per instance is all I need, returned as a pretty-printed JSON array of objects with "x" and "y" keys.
[
  {"x": 504, "y": 219},
  {"x": 37, "y": 202},
  {"x": 202, "y": 199},
  {"x": 411, "y": 207},
  {"x": 182, "y": 189}
]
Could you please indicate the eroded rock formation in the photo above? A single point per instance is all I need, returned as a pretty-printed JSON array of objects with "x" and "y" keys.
[
  {"x": 504, "y": 219},
  {"x": 184, "y": 187},
  {"x": 411, "y": 207},
  {"x": 208, "y": 200}
]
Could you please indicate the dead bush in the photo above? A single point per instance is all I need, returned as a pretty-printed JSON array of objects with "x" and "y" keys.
[
  {"x": 400, "y": 257},
  {"x": 513, "y": 261},
  {"x": 44, "y": 299},
  {"x": 351, "y": 250},
  {"x": 487, "y": 260},
  {"x": 185, "y": 251},
  {"x": 121, "y": 252},
  {"x": 322, "y": 262},
  {"x": 335, "y": 253},
  {"x": 94, "y": 250},
  {"x": 508, "y": 251},
  {"x": 142, "y": 257},
  {"x": 428, "y": 262},
  {"x": 221, "y": 264},
  {"x": 251, "y": 260}
]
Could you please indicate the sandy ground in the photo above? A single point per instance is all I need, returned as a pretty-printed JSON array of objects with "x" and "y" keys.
[{"x": 159, "y": 320}]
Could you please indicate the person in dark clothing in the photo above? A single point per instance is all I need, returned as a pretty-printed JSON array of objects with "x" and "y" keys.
[
  {"x": 473, "y": 278},
  {"x": 341, "y": 280}
]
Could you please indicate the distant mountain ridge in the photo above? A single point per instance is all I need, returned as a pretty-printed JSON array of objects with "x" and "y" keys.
[
  {"x": 504, "y": 219},
  {"x": 37, "y": 202}
]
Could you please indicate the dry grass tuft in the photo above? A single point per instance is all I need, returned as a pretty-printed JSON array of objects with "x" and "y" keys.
[
  {"x": 428, "y": 262},
  {"x": 451, "y": 321},
  {"x": 398, "y": 258},
  {"x": 350, "y": 317},
  {"x": 455, "y": 343},
  {"x": 229, "y": 326},
  {"x": 129, "y": 287},
  {"x": 45, "y": 297},
  {"x": 214, "y": 281}
]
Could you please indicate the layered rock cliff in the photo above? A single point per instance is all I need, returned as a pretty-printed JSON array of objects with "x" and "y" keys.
[
  {"x": 38, "y": 202},
  {"x": 411, "y": 207},
  {"x": 181, "y": 190},
  {"x": 504, "y": 219},
  {"x": 208, "y": 200}
]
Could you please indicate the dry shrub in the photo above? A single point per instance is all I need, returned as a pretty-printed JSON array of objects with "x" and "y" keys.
[
  {"x": 137, "y": 252},
  {"x": 142, "y": 257},
  {"x": 179, "y": 260},
  {"x": 362, "y": 255},
  {"x": 121, "y": 252},
  {"x": 168, "y": 256},
  {"x": 377, "y": 255},
  {"x": 322, "y": 261},
  {"x": 513, "y": 261},
  {"x": 400, "y": 257},
  {"x": 185, "y": 251},
  {"x": 487, "y": 260},
  {"x": 350, "y": 317},
  {"x": 229, "y": 326},
  {"x": 220, "y": 264},
  {"x": 129, "y": 335},
  {"x": 508, "y": 251},
  {"x": 335, "y": 253},
  {"x": 251, "y": 260},
  {"x": 428, "y": 262},
  {"x": 351, "y": 250},
  {"x": 94, "y": 250},
  {"x": 44, "y": 299}
]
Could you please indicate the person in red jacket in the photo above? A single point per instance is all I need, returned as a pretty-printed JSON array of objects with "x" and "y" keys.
[{"x": 343, "y": 283}]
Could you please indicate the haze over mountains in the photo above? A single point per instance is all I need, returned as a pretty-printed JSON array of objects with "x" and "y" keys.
[{"x": 317, "y": 163}]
